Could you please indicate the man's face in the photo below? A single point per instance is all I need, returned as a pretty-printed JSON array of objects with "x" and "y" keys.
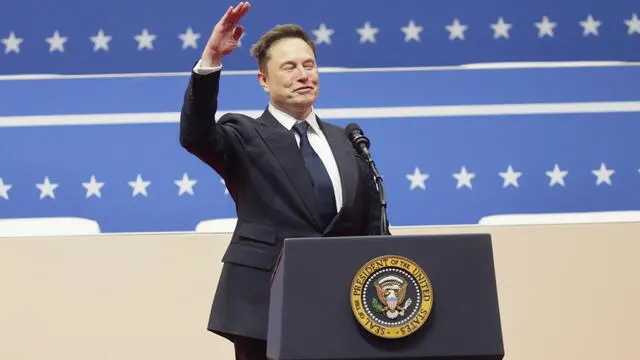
[{"x": 291, "y": 76}]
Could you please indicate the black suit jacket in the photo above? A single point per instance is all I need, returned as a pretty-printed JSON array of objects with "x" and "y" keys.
[{"x": 265, "y": 174}]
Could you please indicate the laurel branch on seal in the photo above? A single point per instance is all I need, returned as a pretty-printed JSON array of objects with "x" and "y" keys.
[{"x": 376, "y": 305}]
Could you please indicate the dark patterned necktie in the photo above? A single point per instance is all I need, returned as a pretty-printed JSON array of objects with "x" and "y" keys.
[{"x": 319, "y": 176}]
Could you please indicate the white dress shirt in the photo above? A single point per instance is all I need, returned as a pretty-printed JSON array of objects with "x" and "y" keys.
[{"x": 316, "y": 137}]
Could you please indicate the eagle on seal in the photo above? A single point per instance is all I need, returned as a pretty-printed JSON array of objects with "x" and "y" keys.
[{"x": 391, "y": 295}]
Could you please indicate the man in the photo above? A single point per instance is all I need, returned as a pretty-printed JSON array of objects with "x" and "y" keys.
[{"x": 289, "y": 173}]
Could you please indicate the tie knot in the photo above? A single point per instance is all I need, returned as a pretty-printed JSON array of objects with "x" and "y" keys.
[{"x": 301, "y": 127}]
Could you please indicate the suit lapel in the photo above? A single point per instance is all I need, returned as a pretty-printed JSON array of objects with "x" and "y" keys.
[
  {"x": 283, "y": 145},
  {"x": 345, "y": 156}
]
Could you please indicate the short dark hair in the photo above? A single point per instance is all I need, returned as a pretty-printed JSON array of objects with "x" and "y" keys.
[{"x": 260, "y": 50}]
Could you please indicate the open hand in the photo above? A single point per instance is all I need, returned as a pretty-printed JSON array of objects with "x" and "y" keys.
[{"x": 225, "y": 35}]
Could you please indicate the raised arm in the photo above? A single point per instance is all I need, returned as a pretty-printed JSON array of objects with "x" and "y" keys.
[{"x": 199, "y": 132}]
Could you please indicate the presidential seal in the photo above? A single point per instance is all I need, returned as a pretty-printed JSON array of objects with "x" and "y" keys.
[{"x": 391, "y": 296}]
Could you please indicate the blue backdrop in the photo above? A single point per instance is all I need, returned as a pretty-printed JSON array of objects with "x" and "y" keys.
[
  {"x": 453, "y": 144},
  {"x": 78, "y": 36},
  {"x": 419, "y": 122}
]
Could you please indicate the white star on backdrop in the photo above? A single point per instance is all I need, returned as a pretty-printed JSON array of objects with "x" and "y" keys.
[
  {"x": 417, "y": 179},
  {"x": 4, "y": 189},
  {"x": 185, "y": 184},
  {"x": 545, "y": 27},
  {"x": 464, "y": 178},
  {"x": 510, "y": 177},
  {"x": 56, "y": 42},
  {"x": 189, "y": 38},
  {"x": 556, "y": 176},
  {"x": 139, "y": 186},
  {"x": 456, "y": 30},
  {"x": 603, "y": 174},
  {"x": 367, "y": 33},
  {"x": 590, "y": 26},
  {"x": 47, "y": 188},
  {"x": 323, "y": 34},
  {"x": 12, "y": 43},
  {"x": 93, "y": 187},
  {"x": 501, "y": 29},
  {"x": 633, "y": 25},
  {"x": 411, "y": 31},
  {"x": 100, "y": 41},
  {"x": 145, "y": 39}
]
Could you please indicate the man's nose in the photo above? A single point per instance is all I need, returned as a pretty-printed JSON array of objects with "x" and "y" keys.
[{"x": 302, "y": 74}]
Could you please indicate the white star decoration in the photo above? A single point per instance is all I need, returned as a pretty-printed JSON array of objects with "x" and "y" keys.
[
  {"x": 12, "y": 43},
  {"x": 139, "y": 186},
  {"x": 603, "y": 174},
  {"x": 323, "y": 34},
  {"x": 464, "y": 178},
  {"x": 100, "y": 41},
  {"x": 185, "y": 185},
  {"x": 510, "y": 177},
  {"x": 4, "y": 189},
  {"x": 411, "y": 32},
  {"x": 545, "y": 27},
  {"x": 56, "y": 42},
  {"x": 47, "y": 188},
  {"x": 633, "y": 25},
  {"x": 189, "y": 39},
  {"x": 556, "y": 176},
  {"x": 501, "y": 29},
  {"x": 367, "y": 33},
  {"x": 590, "y": 26},
  {"x": 417, "y": 179},
  {"x": 145, "y": 40},
  {"x": 93, "y": 187},
  {"x": 456, "y": 30}
]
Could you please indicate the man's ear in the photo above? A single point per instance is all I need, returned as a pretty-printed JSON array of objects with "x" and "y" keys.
[{"x": 262, "y": 78}]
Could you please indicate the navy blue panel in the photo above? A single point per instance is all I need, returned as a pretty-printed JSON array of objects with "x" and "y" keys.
[
  {"x": 78, "y": 20},
  {"x": 350, "y": 89},
  {"x": 439, "y": 146}
]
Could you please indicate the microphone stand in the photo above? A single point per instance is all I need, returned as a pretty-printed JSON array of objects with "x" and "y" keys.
[{"x": 384, "y": 222}]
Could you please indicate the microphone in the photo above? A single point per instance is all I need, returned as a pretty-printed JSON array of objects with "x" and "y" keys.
[{"x": 361, "y": 143}]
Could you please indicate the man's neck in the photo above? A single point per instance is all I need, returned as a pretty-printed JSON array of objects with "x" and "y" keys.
[{"x": 297, "y": 113}]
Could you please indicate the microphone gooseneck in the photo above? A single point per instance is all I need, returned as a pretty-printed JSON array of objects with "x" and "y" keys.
[{"x": 361, "y": 143}]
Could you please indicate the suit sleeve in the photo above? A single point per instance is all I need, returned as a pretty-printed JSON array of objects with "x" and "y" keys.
[{"x": 199, "y": 132}]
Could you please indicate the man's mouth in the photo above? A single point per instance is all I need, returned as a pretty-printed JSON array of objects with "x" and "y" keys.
[{"x": 304, "y": 89}]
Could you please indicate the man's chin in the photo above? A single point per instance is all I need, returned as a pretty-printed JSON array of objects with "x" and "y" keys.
[{"x": 303, "y": 100}]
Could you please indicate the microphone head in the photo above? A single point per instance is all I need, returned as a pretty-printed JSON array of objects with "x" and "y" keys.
[
  {"x": 353, "y": 127},
  {"x": 356, "y": 135}
]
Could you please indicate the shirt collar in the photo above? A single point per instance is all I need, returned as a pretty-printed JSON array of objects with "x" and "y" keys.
[{"x": 288, "y": 121}]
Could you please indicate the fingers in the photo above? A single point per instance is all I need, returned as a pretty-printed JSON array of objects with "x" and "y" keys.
[
  {"x": 244, "y": 8},
  {"x": 237, "y": 32},
  {"x": 235, "y": 14},
  {"x": 225, "y": 17},
  {"x": 232, "y": 16}
]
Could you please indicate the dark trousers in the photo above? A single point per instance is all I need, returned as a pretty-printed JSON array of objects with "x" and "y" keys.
[{"x": 250, "y": 349}]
